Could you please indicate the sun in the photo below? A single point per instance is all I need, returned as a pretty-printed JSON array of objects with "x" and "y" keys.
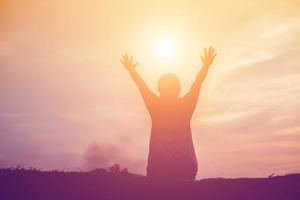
[
  {"x": 167, "y": 51},
  {"x": 165, "y": 48}
]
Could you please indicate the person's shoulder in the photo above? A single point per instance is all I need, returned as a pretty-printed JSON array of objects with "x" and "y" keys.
[{"x": 181, "y": 100}]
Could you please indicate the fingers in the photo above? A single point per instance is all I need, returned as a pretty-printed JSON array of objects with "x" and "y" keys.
[
  {"x": 209, "y": 55},
  {"x": 128, "y": 62},
  {"x": 215, "y": 55},
  {"x": 126, "y": 58},
  {"x": 210, "y": 52}
]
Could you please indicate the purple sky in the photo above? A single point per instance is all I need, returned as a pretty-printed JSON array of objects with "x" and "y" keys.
[{"x": 66, "y": 102}]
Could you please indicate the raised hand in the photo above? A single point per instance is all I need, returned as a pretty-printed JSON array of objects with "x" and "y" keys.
[
  {"x": 209, "y": 56},
  {"x": 128, "y": 63}
]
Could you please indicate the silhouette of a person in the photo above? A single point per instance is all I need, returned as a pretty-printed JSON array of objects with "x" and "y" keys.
[{"x": 171, "y": 152}]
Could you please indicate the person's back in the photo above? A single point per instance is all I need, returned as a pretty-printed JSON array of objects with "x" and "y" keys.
[{"x": 171, "y": 152}]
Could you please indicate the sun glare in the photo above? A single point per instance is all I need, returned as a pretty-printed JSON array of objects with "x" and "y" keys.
[
  {"x": 165, "y": 48},
  {"x": 167, "y": 52}
]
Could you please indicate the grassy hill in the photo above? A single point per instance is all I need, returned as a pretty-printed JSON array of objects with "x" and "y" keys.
[{"x": 101, "y": 184}]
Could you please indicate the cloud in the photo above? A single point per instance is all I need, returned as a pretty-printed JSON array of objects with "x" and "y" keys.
[
  {"x": 104, "y": 156},
  {"x": 66, "y": 103}
]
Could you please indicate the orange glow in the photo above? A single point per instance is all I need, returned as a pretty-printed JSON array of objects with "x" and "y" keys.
[
  {"x": 165, "y": 48},
  {"x": 63, "y": 88}
]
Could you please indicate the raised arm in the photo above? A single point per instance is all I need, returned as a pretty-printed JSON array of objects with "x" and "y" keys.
[
  {"x": 207, "y": 60},
  {"x": 147, "y": 95}
]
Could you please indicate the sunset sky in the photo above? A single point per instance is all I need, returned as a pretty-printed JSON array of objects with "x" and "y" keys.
[{"x": 66, "y": 102}]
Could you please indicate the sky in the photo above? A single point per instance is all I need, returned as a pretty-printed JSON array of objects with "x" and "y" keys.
[{"x": 67, "y": 103}]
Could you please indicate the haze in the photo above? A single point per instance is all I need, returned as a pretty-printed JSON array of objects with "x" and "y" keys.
[{"x": 67, "y": 103}]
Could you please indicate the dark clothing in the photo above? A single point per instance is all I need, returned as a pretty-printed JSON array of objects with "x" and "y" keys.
[{"x": 171, "y": 152}]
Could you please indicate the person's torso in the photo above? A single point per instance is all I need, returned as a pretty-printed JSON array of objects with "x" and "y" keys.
[{"x": 171, "y": 132}]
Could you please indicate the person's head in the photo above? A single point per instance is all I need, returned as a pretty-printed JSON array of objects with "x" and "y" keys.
[{"x": 169, "y": 86}]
